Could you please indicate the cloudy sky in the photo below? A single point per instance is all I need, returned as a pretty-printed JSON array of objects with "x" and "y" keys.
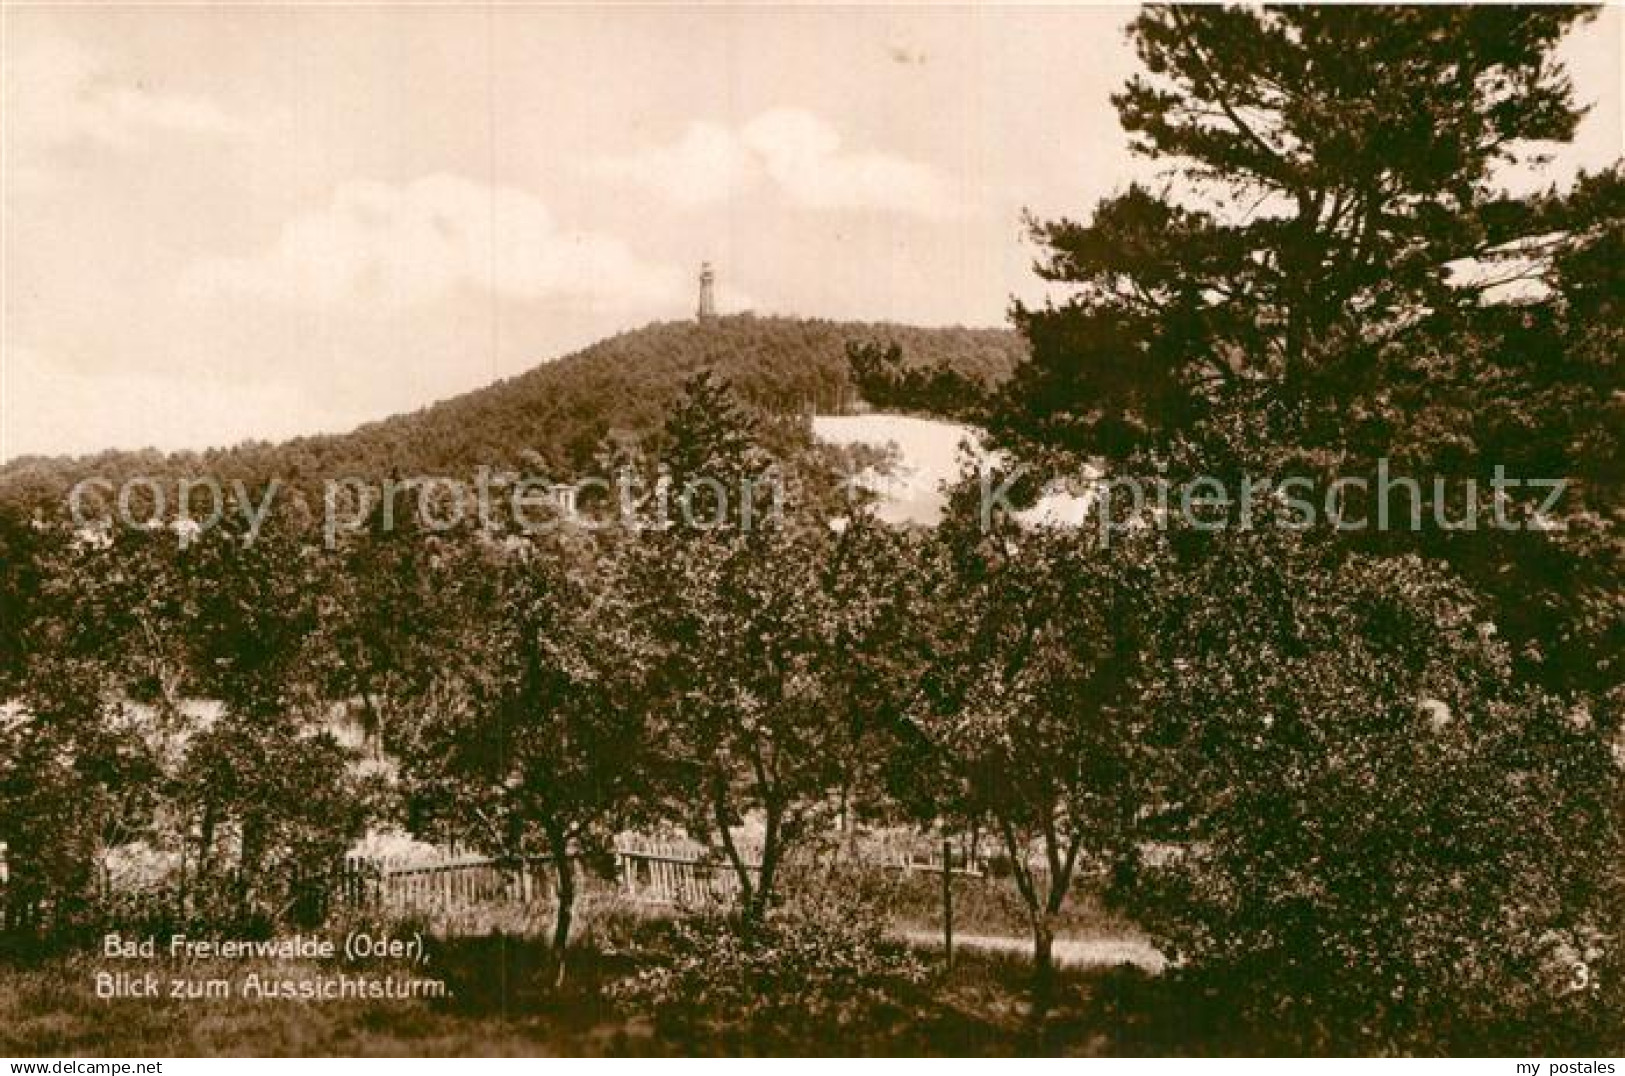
[{"x": 222, "y": 224}]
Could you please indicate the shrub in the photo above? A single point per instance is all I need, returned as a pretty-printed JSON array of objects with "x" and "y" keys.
[
  {"x": 819, "y": 965},
  {"x": 1385, "y": 843}
]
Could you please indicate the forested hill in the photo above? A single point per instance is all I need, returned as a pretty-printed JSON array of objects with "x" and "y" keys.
[{"x": 554, "y": 417}]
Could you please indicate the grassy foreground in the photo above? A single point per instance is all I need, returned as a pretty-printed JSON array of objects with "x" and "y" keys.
[
  {"x": 503, "y": 998},
  {"x": 503, "y": 1002}
]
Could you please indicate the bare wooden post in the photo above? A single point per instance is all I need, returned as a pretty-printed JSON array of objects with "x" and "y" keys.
[{"x": 948, "y": 902}]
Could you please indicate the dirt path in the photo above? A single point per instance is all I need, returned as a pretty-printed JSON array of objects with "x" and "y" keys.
[{"x": 1069, "y": 952}]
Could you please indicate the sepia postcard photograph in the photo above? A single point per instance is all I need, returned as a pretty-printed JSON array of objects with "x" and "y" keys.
[{"x": 776, "y": 531}]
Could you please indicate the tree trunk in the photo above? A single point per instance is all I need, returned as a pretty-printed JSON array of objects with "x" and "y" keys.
[
  {"x": 205, "y": 842},
  {"x": 1041, "y": 909},
  {"x": 248, "y": 864},
  {"x": 747, "y": 891},
  {"x": 559, "y": 844},
  {"x": 566, "y": 909},
  {"x": 772, "y": 849},
  {"x": 1043, "y": 968}
]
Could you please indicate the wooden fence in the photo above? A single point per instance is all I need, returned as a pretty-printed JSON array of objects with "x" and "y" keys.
[
  {"x": 677, "y": 872},
  {"x": 397, "y": 884},
  {"x": 646, "y": 870},
  {"x": 959, "y": 864}
]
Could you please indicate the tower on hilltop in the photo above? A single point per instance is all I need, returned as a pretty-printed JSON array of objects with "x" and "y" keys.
[{"x": 708, "y": 299}]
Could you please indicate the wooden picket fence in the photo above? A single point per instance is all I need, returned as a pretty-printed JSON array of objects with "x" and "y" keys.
[
  {"x": 653, "y": 871},
  {"x": 931, "y": 863},
  {"x": 396, "y": 883},
  {"x": 646, "y": 871},
  {"x": 677, "y": 872}
]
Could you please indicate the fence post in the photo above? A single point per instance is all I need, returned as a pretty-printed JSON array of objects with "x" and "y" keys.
[{"x": 948, "y": 902}]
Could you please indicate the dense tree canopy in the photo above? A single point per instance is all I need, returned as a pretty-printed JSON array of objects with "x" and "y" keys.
[
  {"x": 1335, "y": 715},
  {"x": 1329, "y": 161}
]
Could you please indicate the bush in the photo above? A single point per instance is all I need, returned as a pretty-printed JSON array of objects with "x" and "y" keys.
[
  {"x": 1384, "y": 844},
  {"x": 820, "y": 965}
]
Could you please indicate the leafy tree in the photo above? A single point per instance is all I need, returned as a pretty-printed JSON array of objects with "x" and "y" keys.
[
  {"x": 1030, "y": 642},
  {"x": 22, "y": 548},
  {"x": 276, "y": 804},
  {"x": 266, "y": 785},
  {"x": 1363, "y": 830},
  {"x": 79, "y": 771},
  {"x": 742, "y": 627},
  {"x": 1292, "y": 304},
  {"x": 745, "y": 615},
  {"x": 76, "y": 779},
  {"x": 527, "y": 740},
  {"x": 874, "y": 579},
  {"x": 378, "y": 631}
]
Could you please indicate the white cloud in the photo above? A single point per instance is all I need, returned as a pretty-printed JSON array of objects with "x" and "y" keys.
[
  {"x": 401, "y": 245},
  {"x": 798, "y": 153},
  {"x": 803, "y": 155},
  {"x": 706, "y": 165},
  {"x": 59, "y": 94}
]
